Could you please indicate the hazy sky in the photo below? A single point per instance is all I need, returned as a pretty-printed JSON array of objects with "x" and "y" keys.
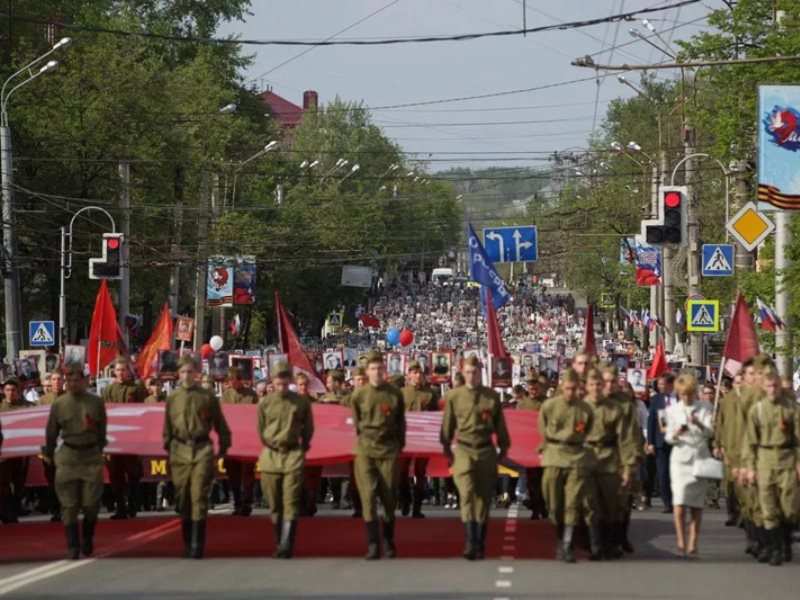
[{"x": 541, "y": 121}]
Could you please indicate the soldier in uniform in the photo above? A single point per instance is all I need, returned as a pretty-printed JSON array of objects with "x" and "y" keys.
[
  {"x": 334, "y": 382},
  {"x": 725, "y": 413},
  {"x": 533, "y": 400},
  {"x": 190, "y": 414},
  {"x": 380, "y": 424},
  {"x": 472, "y": 414},
  {"x": 772, "y": 458},
  {"x": 124, "y": 470},
  {"x": 56, "y": 379},
  {"x": 155, "y": 389},
  {"x": 241, "y": 474},
  {"x": 312, "y": 474},
  {"x": 417, "y": 397},
  {"x": 564, "y": 422},
  {"x": 13, "y": 471},
  {"x": 80, "y": 419},
  {"x": 285, "y": 426},
  {"x": 359, "y": 379}
]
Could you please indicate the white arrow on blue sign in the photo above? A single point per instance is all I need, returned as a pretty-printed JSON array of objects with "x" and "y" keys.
[{"x": 511, "y": 244}]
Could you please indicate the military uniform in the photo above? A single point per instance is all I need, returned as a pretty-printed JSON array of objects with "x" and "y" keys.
[
  {"x": 380, "y": 424},
  {"x": 564, "y": 427},
  {"x": 155, "y": 398},
  {"x": 533, "y": 476},
  {"x": 633, "y": 440},
  {"x": 722, "y": 428},
  {"x": 124, "y": 469},
  {"x": 285, "y": 426},
  {"x": 333, "y": 483},
  {"x": 241, "y": 473},
  {"x": 81, "y": 421},
  {"x": 773, "y": 452},
  {"x": 48, "y": 467},
  {"x": 473, "y": 416},
  {"x": 13, "y": 474},
  {"x": 189, "y": 415},
  {"x": 419, "y": 399}
]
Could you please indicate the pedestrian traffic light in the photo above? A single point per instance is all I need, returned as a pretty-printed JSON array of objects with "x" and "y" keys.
[
  {"x": 670, "y": 227},
  {"x": 110, "y": 265}
]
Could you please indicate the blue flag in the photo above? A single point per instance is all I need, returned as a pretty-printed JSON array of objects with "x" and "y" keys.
[{"x": 481, "y": 270}]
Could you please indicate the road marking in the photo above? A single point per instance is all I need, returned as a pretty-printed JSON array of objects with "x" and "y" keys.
[
  {"x": 502, "y": 583},
  {"x": 505, "y": 569},
  {"x": 506, "y": 557},
  {"x": 10, "y": 584}
]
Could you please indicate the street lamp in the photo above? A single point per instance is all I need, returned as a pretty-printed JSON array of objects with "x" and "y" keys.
[
  {"x": 652, "y": 29},
  {"x": 228, "y": 108},
  {"x": 268, "y": 148},
  {"x": 638, "y": 34},
  {"x": 13, "y": 305},
  {"x": 353, "y": 169}
]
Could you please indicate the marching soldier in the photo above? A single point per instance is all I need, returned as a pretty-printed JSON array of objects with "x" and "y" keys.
[
  {"x": 417, "y": 397},
  {"x": 56, "y": 379},
  {"x": 334, "y": 382},
  {"x": 379, "y": 420},
  {"x": 80, "y": 419},
  {"x": 155, "y": 389},
  {"x": 241, "y": 474},
  {"x": 472, "y": 414},
  {"x": 312, "y": 474},
  {"x": 564, "y": 422},
  {"x": 772, "y": 458},
  {"x": 13, "y": 471},
  {"x": 725, "y": 414},
  {"x": 286, "y": 426},
  {"x": 124, "y": 470},
  {"x": 190, "y": 414},
  {"x": 533, "y": 400}
]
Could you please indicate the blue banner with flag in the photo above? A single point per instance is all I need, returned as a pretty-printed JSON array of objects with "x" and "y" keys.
[{"x": 482, "y": 271}]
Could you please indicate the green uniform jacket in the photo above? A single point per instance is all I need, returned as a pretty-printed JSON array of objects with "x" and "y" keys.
[
  {"x": 473, "y": 416},
  {"x": 81, "y": 421},
  {"x": 607, "y": 438},
  {"x": 564, "y": 427},
  {"x": 331, "y": 398},
  {"x": 285, "y": 426},
  {"x": 190, "y": 414},
  {"x": 724, "y": 429},
  {"x": 773, "y": 434},
  {"x": 48, "y": 398},
  {"x": 124, "y": 393},
  {"x": 379, "y": 419},
  {"x": 530, "y": 403},
  {"x": 736, "y": 433},
  {"x": 420, "y": 399},
  {"x": 155, "y": 398},
  {"x": 245, "y": 395},
  {"x": 632, "y": 436}
]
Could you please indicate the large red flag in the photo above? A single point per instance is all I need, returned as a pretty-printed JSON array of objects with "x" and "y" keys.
[
  {"x": 659, "y": 364},
  {"x": 497, "y": 348},
  {"x": 291, "y": 346},
  {"x": 160, "y": 339},
  {"x": 742, "y": 342},
  {"x": 589, "y": 345},
  {"x": 105, "y": 338}
]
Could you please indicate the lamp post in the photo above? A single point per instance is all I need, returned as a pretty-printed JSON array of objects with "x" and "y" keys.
[
  {"x": 13, "y": 306},
  {"x": 268, "y": 148}
]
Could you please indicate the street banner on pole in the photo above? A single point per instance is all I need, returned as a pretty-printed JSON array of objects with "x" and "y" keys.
[{"x": 778, "y": 144}]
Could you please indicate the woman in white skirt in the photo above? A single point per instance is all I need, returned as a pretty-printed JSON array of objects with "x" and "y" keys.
[{"x": 689, "y": 429}]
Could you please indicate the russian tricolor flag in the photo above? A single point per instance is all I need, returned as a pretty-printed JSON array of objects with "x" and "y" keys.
[{"x": 767, "y": 317}]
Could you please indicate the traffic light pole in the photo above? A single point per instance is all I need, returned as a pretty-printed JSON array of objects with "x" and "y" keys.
[{"x": 693, "y": 233}]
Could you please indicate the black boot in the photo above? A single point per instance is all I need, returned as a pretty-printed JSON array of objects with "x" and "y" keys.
[
  {"x": 388, "y": 539},
  {"x": 595, "y": 543},
  {"x": 186, "y": 531},
  {"x": 405, "y": 500},
  {"x": 752, "y": 539},
  {"x": 480, "y": 543},
  {"x": 121, "y": 511},
  {"x": 198, "y": 539},
  {"x": 134, "y": 498},
  {"x": 373, "y": 541},
  {"x": 236, "y": 492},
  {"x": 470, "y": 540},
  {"x": 88, "y": 535},
  {"x": 765, "y": 545},
  {"x": 567, "y": 554},
  {"x": 787, "y": 543},
  {"x": 559, "y": 545},
  {"x": 417, "y": 506},
  {"x": 286, "y": 549},
  {"x": 624, "y": 542},
  {"x": 278, "y": 529},
  {"x": 73, "y": 542},
  {"x": 776, "y": 546},
  {"x": 611, "y": 539}
]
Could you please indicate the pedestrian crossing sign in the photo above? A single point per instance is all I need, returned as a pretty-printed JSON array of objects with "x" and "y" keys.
[
  {"x": 717, "y": 260},
  {"x": 703, "y": 316},
  {"x": 41, "y": 334}
]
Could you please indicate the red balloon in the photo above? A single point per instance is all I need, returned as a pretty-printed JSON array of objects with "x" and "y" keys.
[
  {"x": 406, "y": 337},
  {"x": 206, "y": 350}
]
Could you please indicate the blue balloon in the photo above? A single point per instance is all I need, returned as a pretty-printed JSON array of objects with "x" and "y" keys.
[{"x": 393, "y": 337}]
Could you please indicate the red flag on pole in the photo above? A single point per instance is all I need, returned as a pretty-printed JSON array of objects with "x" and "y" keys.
[
  {"x": 105, "y": 338},
  {"x": 589, "y": 345},
  {"x": 497, "y": 348},
  {"x": 742, "y": 341},
  {"x": 291, "y": 346},
  {"x": 659, "y": 364},
  {"x": 160, "y": 339}
]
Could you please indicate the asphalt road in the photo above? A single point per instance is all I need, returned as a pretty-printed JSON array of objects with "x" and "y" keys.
[{"x": 722, "y": 572}]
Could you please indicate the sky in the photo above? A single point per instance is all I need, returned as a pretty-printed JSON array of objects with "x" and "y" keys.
[{"x": 518, "y": 129}]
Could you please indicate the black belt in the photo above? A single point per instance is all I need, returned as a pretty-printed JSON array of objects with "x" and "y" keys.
[
  {"x": 480, "y": 446},
  {"x": 80, "y": 446},
  {"x": 777, "y": 447},
  {"x": 603, "y": 444},
  {"x": 282, "y": 448},
  {"x": 192, "y": 442},
  {"x": 560, "y": 443}
]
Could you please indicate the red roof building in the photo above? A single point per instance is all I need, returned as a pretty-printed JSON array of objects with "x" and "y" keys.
[{"x": 286, "y": 113}]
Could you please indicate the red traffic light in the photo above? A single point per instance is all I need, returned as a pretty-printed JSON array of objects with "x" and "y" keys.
[
  {"x": 113, "y": 243},
  {"x": 672, "y": 199}
]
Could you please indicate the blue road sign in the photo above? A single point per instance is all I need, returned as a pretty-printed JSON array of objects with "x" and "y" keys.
[
  {"x": 718, "y": 260},
  {"x": 703, "y": 316},
  {"x": 41, "y": 334},
  {"x": 511, "y": 244}
]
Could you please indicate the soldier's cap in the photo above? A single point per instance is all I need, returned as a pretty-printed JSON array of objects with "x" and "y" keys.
[
  {"x": 360, "y": 372},
  {"x": 121, "y": 360},
  {"x": 74, "y": 369},
  {"x": 763, "y": 361},
  {"x": 571, "y": 376},
  {"x": 282, "y": 370},
  {"x": 531, "y": 376},
  {"x": 374, "y": 357},
  {"x": 234, "y": 373},
  {"x": 336, "y": 375},
  {"x": 187, "y": 360},
  {"x": 414, "y": 365},
  {"x": 472, "y": 361},
  {"x": 398, "y": 381}
]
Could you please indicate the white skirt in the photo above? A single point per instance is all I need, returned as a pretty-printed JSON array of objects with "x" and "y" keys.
[{"x": 687, "y": 490}]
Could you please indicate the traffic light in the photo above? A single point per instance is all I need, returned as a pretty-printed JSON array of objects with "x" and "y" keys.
[
  {"x": 670, "y": 227},
  {"x": 110, "y": 265}
]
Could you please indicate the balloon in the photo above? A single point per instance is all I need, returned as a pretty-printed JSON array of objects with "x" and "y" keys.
[
  {"x": 206, "y": 350},
  {"x": 406, "y": 337},
  {"x": 216, "y": 343},
  {"x": 393, "y": 337}
]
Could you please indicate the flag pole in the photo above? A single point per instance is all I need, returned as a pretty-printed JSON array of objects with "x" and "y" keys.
[{"x": 719, "y": 387}]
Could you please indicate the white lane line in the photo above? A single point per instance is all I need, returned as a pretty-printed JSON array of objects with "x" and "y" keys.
[
  {"x": 505, "y": 570},
  {"x": 502, "y": 583},
  {"x": 502, "y": 598},
  {"x": 506, "y": 558}
]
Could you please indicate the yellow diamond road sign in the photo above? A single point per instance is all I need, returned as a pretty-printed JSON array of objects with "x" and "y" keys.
[{"x": 750, "y": 227}]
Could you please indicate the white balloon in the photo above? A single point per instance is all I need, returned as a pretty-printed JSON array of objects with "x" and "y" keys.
[{"x": 216, "y": 343}]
